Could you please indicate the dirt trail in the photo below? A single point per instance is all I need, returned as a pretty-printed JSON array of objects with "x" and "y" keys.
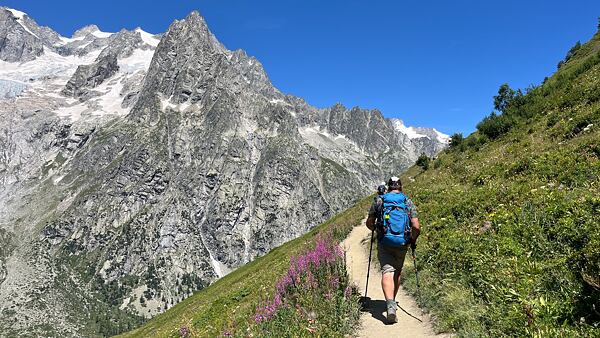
[{"x": 373, "y": 321}]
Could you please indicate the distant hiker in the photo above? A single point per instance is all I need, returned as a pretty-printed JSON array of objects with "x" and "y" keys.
[{"x": 394, "y": 217}]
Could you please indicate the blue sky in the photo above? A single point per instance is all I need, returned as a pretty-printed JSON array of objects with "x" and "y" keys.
[{"x": 431, "y": 63}]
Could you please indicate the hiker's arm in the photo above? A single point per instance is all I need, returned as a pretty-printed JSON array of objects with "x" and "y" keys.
[
  {"x": 416, "y": 229},
  {"x": 371, "y": 223},
  {"x": 373, "y": 212}
]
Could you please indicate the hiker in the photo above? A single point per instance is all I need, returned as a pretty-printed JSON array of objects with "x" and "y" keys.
[{"x": 394, "y": 216}]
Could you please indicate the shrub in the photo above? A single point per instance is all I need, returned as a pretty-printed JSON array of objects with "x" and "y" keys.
[
  {"x": 474, "y": 141},
  {"x": 494, "y": 125},
  {"x": 456, "y": 139},
  {"x": 423, "y": 161}
]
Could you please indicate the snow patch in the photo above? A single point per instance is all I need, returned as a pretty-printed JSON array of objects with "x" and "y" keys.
[
  {"x": 110, "y": 102},
  {"x": 166, "y": 103},
  {"x": 49, "y": 64},
  {"x": 27, "y": 29},
  {"x": 283, "y": 102},
  {"x": 220, "y": 268},
  {"x": 66, "y": 40},
  {"x": 20, "y": 17},
  {"x": 139, "y": 60},
  {"x": 408, "y": 131},
  {"x": 148, "y": 38},
  {"x": 277, "y": 101},
  {"x": 441, "y": 137},
  {"x": 16, "y": 13},
  {"x": 71, "y": 112},
  {"x": 100, "y": 34},
  {"x": 337, "y": 148}
]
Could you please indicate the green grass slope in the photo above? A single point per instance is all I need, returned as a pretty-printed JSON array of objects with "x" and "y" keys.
[
  {"x": 511, "y": 215},
  {"x": 231, "y": 300},
  {"x": 511, "y": 225}
]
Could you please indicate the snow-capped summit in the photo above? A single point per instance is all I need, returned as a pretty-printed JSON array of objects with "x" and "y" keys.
[
  {"x": 19, "y": 42},
  {"x": 410, "y": 132},
  {"x": 90, "y": 29},
  {"x": 419, "y": 132},
  {"x": 148, "y": 38},
  {"x": 436, "y": 134},
  {"x": 39, "y": 65},
  {"x": 17, "y": 14}
]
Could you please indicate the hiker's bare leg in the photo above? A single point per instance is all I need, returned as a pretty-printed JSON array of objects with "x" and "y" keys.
[
  {"x": 387, "y": 284},
  {"x": 396, "y": 282}
]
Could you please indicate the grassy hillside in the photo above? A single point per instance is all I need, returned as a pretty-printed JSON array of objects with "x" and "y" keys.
[
  {"x": 511, "y": 214},
  {"x": 511, "y": 219},
  {"x": 231, "y": 301}
]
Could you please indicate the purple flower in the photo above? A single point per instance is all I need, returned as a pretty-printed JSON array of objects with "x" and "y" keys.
[
  {"x": 184, "y": 331},
  {"x": 319, "y": 267},
  {"x": 311, "y": 283},
  {"x": 339, "y": 252},
  {"x": 334, "y": 282},
  {"x": 348, "y": 292},
  {"x": 258, "y": 318}
]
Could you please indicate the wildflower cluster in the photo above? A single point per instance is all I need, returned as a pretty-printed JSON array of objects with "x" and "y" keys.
[{"x": 313, "y": 297}]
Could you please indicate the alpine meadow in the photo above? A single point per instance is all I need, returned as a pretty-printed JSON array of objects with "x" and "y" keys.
[{"x": 162, "y": 186}]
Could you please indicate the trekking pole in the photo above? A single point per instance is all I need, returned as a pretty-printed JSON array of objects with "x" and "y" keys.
[
  {"x": 369, "y": 265},
  {"x": 414, "y": 255},
  {"x": 364, "y": 300}
]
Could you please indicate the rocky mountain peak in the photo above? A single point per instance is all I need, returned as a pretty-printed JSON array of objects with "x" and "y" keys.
[
  {"x": 15, "y": 14},
  {"x": 158, "y": 167},
  {"x": 194, "y": 29},
  {"x": 19, "y": 43},
  {"x": 187, "y": 62},
  {"x": 85, "y": 31}
]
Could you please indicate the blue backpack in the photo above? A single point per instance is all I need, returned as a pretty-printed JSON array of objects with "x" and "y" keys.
[{"x": 395, "y": 220}]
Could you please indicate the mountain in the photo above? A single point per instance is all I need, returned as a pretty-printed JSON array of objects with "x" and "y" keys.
[
  {"x": 510, "y": 217},
  {"x": 139, "y": 168}
]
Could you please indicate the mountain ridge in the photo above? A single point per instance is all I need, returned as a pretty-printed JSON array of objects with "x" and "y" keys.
[
  {"x": 156, "y": 167},
  {"x": 510, "y": 230}
]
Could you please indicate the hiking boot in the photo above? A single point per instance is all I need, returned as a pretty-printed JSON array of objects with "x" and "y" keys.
[{"x": 391, "y": 314}]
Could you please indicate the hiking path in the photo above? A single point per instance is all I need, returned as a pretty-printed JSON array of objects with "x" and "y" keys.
[{"x": 373, "y": 320}]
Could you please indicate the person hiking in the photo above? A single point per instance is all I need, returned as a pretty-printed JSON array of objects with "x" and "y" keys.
[{"x": 394, "y": 216}]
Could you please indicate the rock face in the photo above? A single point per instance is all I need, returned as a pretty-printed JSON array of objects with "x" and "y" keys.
[
  {"x": 90, "y": 76},
  {"x": 178, "y": 162},
  {"x": 17, "y": 43}
]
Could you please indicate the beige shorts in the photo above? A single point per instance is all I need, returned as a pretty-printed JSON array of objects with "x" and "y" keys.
[{"x": 391, "y": 258}]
